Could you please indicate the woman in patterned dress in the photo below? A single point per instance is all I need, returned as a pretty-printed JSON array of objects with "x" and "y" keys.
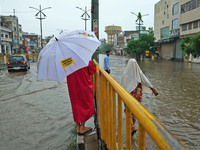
[{"x": 136, "y": 83}]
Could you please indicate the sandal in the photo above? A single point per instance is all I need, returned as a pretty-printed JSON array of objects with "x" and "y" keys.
[{"x": 133, "y": 130}]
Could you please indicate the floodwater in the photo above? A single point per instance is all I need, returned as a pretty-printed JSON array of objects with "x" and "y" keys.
[
  {"x": 37, "y": 114},
  {"x": 178, "y": 104},
  {"x": 34, "y": 115}
]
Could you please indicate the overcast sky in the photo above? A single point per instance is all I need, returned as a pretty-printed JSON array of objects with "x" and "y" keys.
[{"x": 65, "y": 16}]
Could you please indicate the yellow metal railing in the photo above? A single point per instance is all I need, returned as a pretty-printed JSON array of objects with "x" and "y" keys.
[
  {"x": 4, "y": 58},
  {"x": 109, "y": 115}
]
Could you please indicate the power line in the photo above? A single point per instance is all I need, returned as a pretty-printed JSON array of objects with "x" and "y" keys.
[{"x": 8, "y": 12}]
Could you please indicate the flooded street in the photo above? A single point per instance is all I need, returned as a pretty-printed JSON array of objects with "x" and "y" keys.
[
  {"x": 177, "y": 105},
  {"x": 34, "y": 114},
  {"x": 37, "y": 114}
]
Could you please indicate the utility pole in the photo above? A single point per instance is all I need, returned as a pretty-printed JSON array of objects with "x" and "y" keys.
[
  {"x": 139, "y": 18},
  {"x": 40, "y": 18},
  {"x": 95, "y": 24},
  {"x": 17, "y": 34},
  {"x": 0, "y": 34},
  {"x": 87, "y": 16}
]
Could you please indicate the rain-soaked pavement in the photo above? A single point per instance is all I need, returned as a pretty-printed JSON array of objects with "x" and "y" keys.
[{"x": 37, "y": 114}]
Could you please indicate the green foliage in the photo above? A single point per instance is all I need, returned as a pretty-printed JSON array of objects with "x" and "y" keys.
[
  {"x": 146, "y": 42},
  {"x": 106, "y": 47},
  {"x": 191, "y": 45},
  {"x": 151, "y": 32},
  {"x": 72, "y": 146}
]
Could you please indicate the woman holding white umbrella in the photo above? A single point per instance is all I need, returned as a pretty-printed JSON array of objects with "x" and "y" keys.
[{"x": 69, "y": 55}]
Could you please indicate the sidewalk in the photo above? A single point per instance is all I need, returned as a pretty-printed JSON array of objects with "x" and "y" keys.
[{"x": 87, "y": 142}]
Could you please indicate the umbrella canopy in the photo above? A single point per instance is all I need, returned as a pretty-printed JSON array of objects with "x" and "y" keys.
[{"x": 66, "y": 54}]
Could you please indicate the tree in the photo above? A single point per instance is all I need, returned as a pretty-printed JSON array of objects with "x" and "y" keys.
[
  {"x": 106, "y": 47},
  {"x": 149, "y": 43},
  {"x": 138, "y": 47},
  {"x": 191, "y": 46},
  {"x": 151, "y": 32}
]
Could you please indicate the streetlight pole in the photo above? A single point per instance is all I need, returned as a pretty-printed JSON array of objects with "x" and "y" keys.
[
  {"x": 139, "y": 18},
  {"x": 61, "y": 30},
  {"x": 86, "y": 15},
  {"x": 40, "y": 18}
]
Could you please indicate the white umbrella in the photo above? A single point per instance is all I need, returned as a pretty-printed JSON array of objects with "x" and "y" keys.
[{"x": 65, "y": 54}]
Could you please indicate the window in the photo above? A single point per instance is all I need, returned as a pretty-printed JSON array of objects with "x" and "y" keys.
[
  {"x": 175, "y": 24},
  {"x": 190, "y": 26},
  {"x": 184, "y": 27},
  {"x": 164, "y": 12},
  {"x": 193, "y": 4},
  {"x": 2, "y": 35},
  {"x": 175, "y": 9},
  {"x": 165, "y": 32},
  {"x": 163, "y": 22},
  {"x": 167, "y": 16},
  {"x": 6, "y": 35},
  {"x": 188, "y": 6},
  {"x": 195, "y": 25}
]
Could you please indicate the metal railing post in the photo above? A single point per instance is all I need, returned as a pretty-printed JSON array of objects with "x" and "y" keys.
[
  {"x": 128, "y": 129},
  {"x": 142, "y": 138},
  {"x": 119, "y": 123},
  {"x": 114, "y": 120}
]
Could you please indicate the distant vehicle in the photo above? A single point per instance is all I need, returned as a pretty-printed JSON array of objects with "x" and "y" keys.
[{"x": 18, "y": 62}]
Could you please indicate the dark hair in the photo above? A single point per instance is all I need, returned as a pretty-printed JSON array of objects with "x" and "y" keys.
[{"x": 107, "y": 51}]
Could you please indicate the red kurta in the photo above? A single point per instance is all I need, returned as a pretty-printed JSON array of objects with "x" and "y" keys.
[{"x": 80, "y": 87}]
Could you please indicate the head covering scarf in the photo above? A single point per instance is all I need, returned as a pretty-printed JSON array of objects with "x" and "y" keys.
[{"x": 133, "y": 75}]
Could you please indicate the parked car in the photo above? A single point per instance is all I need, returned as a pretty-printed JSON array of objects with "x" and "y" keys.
[{"x": 18, "y": 62}]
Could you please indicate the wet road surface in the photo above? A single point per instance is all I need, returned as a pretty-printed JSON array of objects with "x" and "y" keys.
[
  {"x": 34, "y": 114},
  {"x": 177, "y": 105},
  {"x": 37, "y": 114}
]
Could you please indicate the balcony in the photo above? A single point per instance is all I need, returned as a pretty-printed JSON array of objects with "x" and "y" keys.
[
  {"x": 6, "y": 39},
  {"x": 174, "y": 33}
]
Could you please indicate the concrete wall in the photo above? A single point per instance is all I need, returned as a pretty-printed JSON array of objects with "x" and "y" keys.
[{"x": 162, "y": 12}]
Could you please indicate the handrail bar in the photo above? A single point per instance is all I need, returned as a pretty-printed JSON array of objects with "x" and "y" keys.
[{"x": 162, "y": 137}]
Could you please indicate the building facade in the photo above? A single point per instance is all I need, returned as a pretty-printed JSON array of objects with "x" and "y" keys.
[
  {"x": 173, "y": 20},
  {"x": 134, "y": 34},
  {"x": 6, "y": 40},
  {"x": 119, "y": 44},
  {"x": 33, "y": 40},
  {"x": 11, "y": 22}
]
